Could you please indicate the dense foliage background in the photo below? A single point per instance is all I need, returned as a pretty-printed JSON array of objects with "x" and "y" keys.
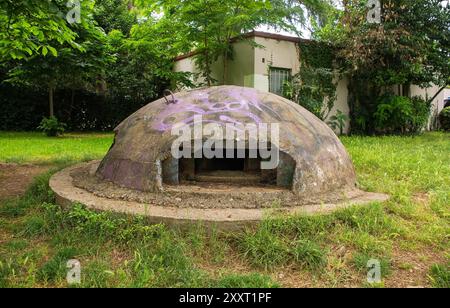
[
  {"x": 90, "y": 75},
  {"x": 93, "y": 73},
  {"x": 411, "y": 46}
]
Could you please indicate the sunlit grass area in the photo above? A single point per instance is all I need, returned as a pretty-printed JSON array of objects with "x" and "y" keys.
[
  {"x": 37, "y": 148},
  {"x": 408, "y": 235}
]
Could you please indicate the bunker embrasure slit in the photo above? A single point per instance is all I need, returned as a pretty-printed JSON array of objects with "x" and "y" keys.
[
  {"x": 241, "y": 170},
  {"x": 245, "y": 171}
]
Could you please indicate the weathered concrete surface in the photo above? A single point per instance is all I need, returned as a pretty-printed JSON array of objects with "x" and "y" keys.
[
  {"x": 144, "y": 139},
  {"x": 226, "y": 219},
  {"x": 238, "y": 192}
]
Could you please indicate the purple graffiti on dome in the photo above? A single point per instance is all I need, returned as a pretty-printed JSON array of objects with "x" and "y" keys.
[{"x": 239, "y": 101}]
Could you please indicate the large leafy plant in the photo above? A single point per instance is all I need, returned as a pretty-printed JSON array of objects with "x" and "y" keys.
[
  {"x": 52, "y": 127},
  {"x": 400, "y": 114},
  {"x": 338, "y": 121}
]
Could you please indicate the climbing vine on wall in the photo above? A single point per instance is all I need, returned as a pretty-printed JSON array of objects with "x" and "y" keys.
[{"x": 314, "y": 87}]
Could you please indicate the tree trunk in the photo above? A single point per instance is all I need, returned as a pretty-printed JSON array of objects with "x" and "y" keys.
[
  {"x": 50, "y": 101},
  {"x": 208, "y": 70},
  {"x": 225, "y": 68},
  {"x": 226, "y": 56},
  {"x": 72, "y": 98},
  {"x": 407, "y": 90},
  {"x": 351, "y": 103},
  {"x": 207, "y": 64},
  {"x": 72, "y": 102}
]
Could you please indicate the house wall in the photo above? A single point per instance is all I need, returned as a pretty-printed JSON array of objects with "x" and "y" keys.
[
  {"x": 186, "y": 65},
  {"x": 341, "y": 103},
  {"x": 250, "y": 68},
  {"x": 447, "y": 93},
  {"x": 275, "y": 53},
  {"x": 436, "y": 106},
  {"x": 241, "y": 68}
]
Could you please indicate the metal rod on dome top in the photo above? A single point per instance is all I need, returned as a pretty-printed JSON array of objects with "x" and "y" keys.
[{"x": 166, "y": 93}]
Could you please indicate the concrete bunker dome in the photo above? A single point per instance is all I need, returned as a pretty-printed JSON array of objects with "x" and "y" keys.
[{"x": 313, "y": 161}]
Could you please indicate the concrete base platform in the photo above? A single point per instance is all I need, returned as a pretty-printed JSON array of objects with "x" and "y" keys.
[{"x": 222, "y": 218}]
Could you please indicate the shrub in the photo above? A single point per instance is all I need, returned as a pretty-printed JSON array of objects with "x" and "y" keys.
[
  {"x": 338, "y": 121},
  {"x": 421, "y": 114},
  {"x": 392, "y": 114},
  {"x": 444, "y": 119},
  {"x": 400, "y": 114},
  {"x": 52, "y": 127}
]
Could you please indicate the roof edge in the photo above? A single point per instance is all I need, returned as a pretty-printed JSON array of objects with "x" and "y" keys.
[{"x": 252, "y": 34}]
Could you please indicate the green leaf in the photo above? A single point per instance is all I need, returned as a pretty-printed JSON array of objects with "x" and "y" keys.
[{"x": 53, "y": 51}]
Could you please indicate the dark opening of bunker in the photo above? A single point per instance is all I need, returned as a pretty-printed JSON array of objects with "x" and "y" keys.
[
  {"x": 234, "y": 171},
  {"x": 243, "y": 171}
]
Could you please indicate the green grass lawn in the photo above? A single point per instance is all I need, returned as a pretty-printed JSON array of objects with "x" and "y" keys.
[
  {"x": 409, "y": 234},
  {"x": 37, "y": 148}
]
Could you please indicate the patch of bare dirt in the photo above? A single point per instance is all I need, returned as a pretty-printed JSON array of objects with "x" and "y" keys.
[
  {"x": 411, "y": 268},
  {"x": 288, "y": 276},
  {"x": 421, "y": 198},
  {"x": 15, "y": 179}
]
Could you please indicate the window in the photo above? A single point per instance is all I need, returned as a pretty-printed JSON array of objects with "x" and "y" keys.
[{"x": 277, "y": 78}]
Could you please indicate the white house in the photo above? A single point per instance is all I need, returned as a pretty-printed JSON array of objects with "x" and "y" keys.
[{"x": 274, "y": 61}]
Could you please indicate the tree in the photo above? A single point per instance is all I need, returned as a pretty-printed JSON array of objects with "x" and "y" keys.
[
  {"x": 410, "y": 46},
  {"x": 115, "y": 15},
  {"x": 71, "y": 68},
  {"x": 31, "y": 27},
  {"x": 144, "y": 66},
  {"x": 137, "y": 74},
  {"x": 208, "y": 26},
  {"x": 116, "y": 73}
]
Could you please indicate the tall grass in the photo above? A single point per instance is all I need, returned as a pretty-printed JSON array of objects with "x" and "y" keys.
[{"x": 330, "y": 250}]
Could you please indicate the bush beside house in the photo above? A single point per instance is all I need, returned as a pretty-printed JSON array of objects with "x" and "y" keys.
[{"x": 401, "y": 115}]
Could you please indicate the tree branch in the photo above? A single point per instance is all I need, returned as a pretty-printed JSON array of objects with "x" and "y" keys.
[{"x": 437, "y": 94}]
